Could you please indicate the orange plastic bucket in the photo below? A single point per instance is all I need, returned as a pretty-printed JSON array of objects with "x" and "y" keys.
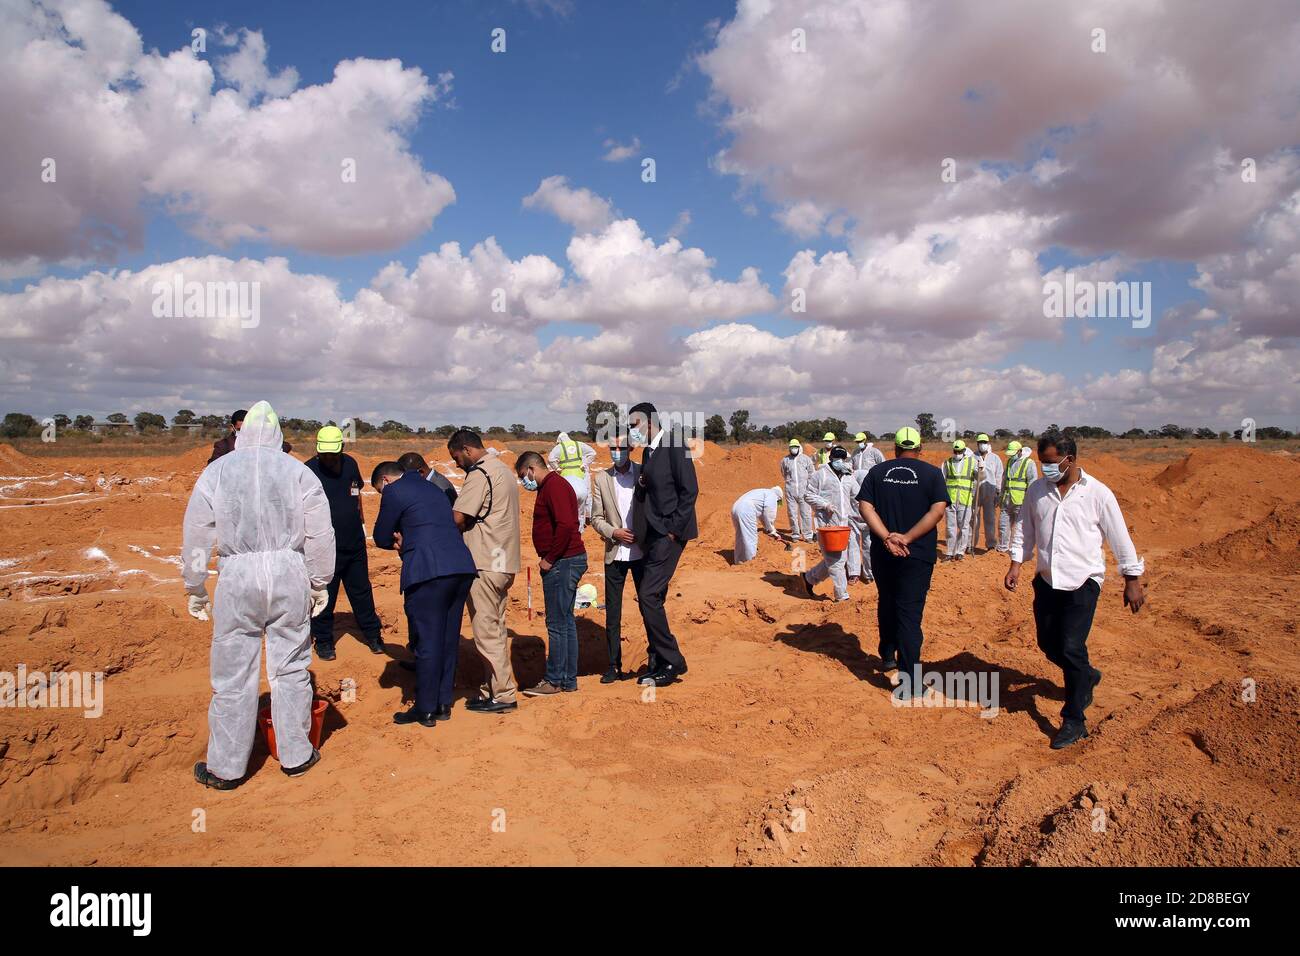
[
  {"x": 318, "y": 708},
  {"x": 834, "y": 538}
]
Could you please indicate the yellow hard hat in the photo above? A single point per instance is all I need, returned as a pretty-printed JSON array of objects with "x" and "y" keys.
[
  {"x": 829, "y": 436},
  {"x": 794, "y": 443},
  {"x": 907, "y": 437},
  {"x": 329, "y": 439},
  {"x": 981, "y": 437},
  {"x": 1013, "y": 447},
  {"x": 959, "y": 445},
  {"x": 860, "y": 436}
]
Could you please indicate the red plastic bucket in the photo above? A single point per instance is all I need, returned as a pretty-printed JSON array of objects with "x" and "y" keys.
[
  {"x": 318, "y": 708},
  {"x": 833, "y": 538}
]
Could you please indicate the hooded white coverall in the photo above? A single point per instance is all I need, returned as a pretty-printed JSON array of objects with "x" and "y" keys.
[
  {"x": 860, "y": 539},
  {"x": 270, "y": 520},
  {"x": 988, "y": 491},
  {"x": 833, "y": 497},
  {"x": 796, "y": 472},
  {"x": 864, "y": 459},
  {"x": 581, "y": 483},
  {"x": 749, "y": 509}
]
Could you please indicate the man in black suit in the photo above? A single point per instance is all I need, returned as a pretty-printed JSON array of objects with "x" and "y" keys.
[{"x": 663, "y": 520}]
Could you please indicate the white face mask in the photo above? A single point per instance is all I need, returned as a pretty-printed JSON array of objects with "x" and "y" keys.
[{"x": 984, "y": 448}]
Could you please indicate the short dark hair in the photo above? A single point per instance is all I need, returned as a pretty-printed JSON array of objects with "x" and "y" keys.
[
  {"x": 239, "y": 416},
  {"x": 463, "y": 438},
  {"x": 413, "y": 461},
  {"x": 529, "y": 459},
  {"x": 1064, "y": 445},
  {"x": 385, "y": 469},
  {"x": 646, "y": 409}
]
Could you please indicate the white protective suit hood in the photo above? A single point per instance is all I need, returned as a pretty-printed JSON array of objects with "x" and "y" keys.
[{"x": 261, "y": 428}]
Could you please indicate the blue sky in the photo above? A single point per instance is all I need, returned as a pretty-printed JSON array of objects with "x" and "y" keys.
[{"x": 590, "y": 72}]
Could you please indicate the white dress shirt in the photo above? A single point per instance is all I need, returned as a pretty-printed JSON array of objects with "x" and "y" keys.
[
  {"x": 624, "y": 486},
  {"x": 1067, "y": 533}
]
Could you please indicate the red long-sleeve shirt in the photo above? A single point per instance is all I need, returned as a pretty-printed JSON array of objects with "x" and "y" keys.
[{"x": 555, "y": 520}]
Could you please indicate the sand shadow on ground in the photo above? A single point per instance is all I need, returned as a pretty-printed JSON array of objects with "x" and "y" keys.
[
  {"x": 727, "y": 554},
  {"x": 790, "y": 585},
  {"x": 1016, "y": 690}
]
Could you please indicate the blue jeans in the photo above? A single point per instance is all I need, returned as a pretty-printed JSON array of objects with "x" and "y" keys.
[{"x": 559, "y": 589}]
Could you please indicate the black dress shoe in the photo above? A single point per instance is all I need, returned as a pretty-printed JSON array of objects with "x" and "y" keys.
[
  {"x": 488, "y": 705},
  {"x": 889, "y": 664},
  {"x": 406, "y": 665},
  {"x": 663, "y": 677},
  {"x": 612, "y": 675},
  {"x": 376, "y": 646},
  {"x": 443, "y": 712},
  {"x": 325, "y": 652},
  {"x": 413, "y": 716},
  {"x": 1071, "y": 732}
]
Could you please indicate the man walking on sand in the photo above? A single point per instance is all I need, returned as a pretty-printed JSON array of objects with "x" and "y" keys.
[{"x": 1066, "y": 515}]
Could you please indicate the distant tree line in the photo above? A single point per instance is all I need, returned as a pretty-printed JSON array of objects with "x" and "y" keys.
[{"x": 737, "y": 428}]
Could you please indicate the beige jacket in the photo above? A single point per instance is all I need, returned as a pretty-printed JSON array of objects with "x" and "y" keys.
[{"x": 604, "y": 507}]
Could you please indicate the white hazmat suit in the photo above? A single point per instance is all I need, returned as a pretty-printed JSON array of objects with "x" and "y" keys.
[
  {"x": 269, "y": 518},
  {"x": 867, "y": 457},
  {"x": 832, "y": 495},
  {"x": 578, "y": 456},
  {"x": 988, "y": 491},
  {"x": 750, "y": 509},
  {"x": 796, "y": 472}
]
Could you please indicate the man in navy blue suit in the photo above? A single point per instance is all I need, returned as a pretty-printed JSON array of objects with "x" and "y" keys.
[{"x": 437, "y": 570}]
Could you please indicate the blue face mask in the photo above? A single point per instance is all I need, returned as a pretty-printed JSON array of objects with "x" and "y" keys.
[
  {"x": 1053, "y": 473},
  {"x": 637, "y": 437},
  {"x": 529, "y": 483},
  {"x": 618, "y": 454}
]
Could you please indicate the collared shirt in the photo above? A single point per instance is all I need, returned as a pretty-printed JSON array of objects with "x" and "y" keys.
[
  {"x": 624, "y": 486},
  {"x": 493, "y": 535},
  {"x": 1067, "y": 533}
]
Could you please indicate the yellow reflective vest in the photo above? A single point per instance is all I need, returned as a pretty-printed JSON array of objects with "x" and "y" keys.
[
  {"x": 958, "y": 477},
  {"x": 1017, "y": 480},
  {"x": 570, "y": 460}
]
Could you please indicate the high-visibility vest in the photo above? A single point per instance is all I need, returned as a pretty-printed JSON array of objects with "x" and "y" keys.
[
  {"x": 1017, "y": 480},
  {"x": 958, "y": 479},
  {"x": 571, "y": 460}
]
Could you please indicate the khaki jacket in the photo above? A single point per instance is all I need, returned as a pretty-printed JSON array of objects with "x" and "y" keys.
[{"x": 604, "y": 507}]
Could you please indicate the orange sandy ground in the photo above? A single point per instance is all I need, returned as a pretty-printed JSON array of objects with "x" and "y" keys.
[{"x": 781, "y": 745}]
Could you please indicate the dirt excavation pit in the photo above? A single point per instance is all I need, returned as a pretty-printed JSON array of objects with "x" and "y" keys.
[{"x": 781, "y": 746}]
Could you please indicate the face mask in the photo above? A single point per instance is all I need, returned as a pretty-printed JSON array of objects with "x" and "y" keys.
[
  {"x": 984, "y": 448},
  {"x": 794, "y": 452},
  {"x": 1053, "y": 473},
  {"x": 841, "y": 466},
  {"x": 530, "y": 483},
  {"x": 618, "y": 454},
  {"x": 636, "y": 436},
  {"x": 862, "y": 444}
]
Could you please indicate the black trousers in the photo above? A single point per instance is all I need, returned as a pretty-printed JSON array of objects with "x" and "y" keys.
[
  {"x": 615, "y": 577},
  {"x": 902, "y": 585},
  {"x": 433, "y": 611},
  {"x": 1063, "y": 619},
  {"x": 661, "y": 556},
  {"x": 351, "y": 570}
]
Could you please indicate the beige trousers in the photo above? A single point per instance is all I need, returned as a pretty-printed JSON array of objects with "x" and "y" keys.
[{"x": 487, "y": 617}]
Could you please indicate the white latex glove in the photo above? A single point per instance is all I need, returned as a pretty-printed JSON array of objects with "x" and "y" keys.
[
  {"x": 318, "y": 601},
  {"x": 198, "y": 607}
]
